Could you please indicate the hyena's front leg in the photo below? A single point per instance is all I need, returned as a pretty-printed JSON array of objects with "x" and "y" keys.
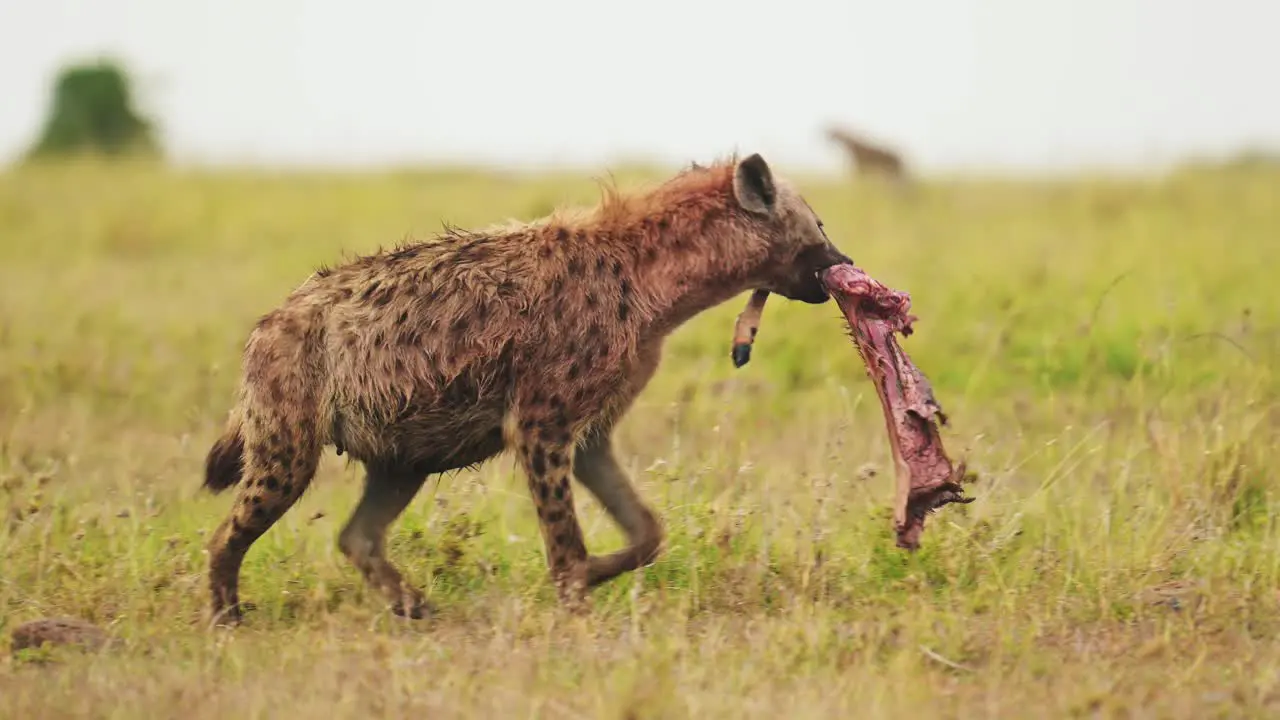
[
  {"x": 545, "y": 446},
  {"x": 596, "y": 468}
]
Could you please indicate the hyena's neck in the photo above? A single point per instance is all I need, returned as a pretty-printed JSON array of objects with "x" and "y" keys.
[{"x": 696, "y": 266}]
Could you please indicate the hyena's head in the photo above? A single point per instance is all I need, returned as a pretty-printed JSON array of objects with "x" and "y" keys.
[{"x": 799, "y": 249}]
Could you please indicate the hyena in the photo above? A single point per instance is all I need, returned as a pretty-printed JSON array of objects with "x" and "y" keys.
[
  {"x": 535, "y": 338},
  {"x": 868, "y": 157}
]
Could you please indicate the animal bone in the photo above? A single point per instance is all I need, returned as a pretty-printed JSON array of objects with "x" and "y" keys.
[
  {"x": 926, "y": 479},
  {"x": 744, "y": 330}
]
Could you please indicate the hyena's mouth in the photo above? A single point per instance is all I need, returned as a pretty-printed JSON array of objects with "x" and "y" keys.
[{"x": 817, "y": 263}]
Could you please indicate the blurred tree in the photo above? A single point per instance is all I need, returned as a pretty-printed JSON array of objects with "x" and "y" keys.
[{"x": 92, "y": 112}]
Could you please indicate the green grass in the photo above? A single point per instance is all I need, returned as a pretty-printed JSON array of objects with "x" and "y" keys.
[{"x": 1103, "y": 347}]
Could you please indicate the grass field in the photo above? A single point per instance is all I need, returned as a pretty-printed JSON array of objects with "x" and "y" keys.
[{"x": 1104, "y": 348}]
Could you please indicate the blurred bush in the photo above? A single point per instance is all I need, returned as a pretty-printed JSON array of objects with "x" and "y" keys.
[{"x": 92, "y": 113}]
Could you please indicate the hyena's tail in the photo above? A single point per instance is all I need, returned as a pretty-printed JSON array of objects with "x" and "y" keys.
[{"x": 225, "y": 462}]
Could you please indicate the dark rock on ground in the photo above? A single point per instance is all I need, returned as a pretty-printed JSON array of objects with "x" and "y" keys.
[{"x": 58, "y": 631}]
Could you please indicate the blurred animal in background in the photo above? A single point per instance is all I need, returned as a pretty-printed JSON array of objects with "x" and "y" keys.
[{"x": 868, "y": 157}]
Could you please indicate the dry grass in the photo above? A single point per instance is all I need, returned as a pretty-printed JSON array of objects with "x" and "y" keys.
[{"x": 1104, "y": 348}]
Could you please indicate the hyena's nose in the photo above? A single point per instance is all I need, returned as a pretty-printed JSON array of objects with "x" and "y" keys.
[{"x": 832, "y": 256}]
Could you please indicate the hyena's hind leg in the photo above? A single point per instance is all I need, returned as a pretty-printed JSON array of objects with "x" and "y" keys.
[
  {"x": 280, "y": 456},
  {"x": 387, "y": 492},
  {"x": 598, "y": 470}
]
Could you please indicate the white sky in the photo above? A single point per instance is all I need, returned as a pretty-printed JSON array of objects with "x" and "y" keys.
[{"x": 957, "y": 84}]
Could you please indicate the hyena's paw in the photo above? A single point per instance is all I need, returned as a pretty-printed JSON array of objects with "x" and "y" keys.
[
  {"x": 232, "y": 615},
  {"x": 414, "y": 608},
  {"x": 572, "y": 590}
]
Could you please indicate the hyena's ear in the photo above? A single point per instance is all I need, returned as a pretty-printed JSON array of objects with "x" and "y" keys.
[{"x": 753, "y": 185}]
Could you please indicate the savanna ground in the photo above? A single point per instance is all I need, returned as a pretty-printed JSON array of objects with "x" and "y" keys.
[{"x": 1105, "y": 350}]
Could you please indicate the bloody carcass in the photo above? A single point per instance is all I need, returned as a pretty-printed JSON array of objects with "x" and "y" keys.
[{"x": 926, "y": 479}]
